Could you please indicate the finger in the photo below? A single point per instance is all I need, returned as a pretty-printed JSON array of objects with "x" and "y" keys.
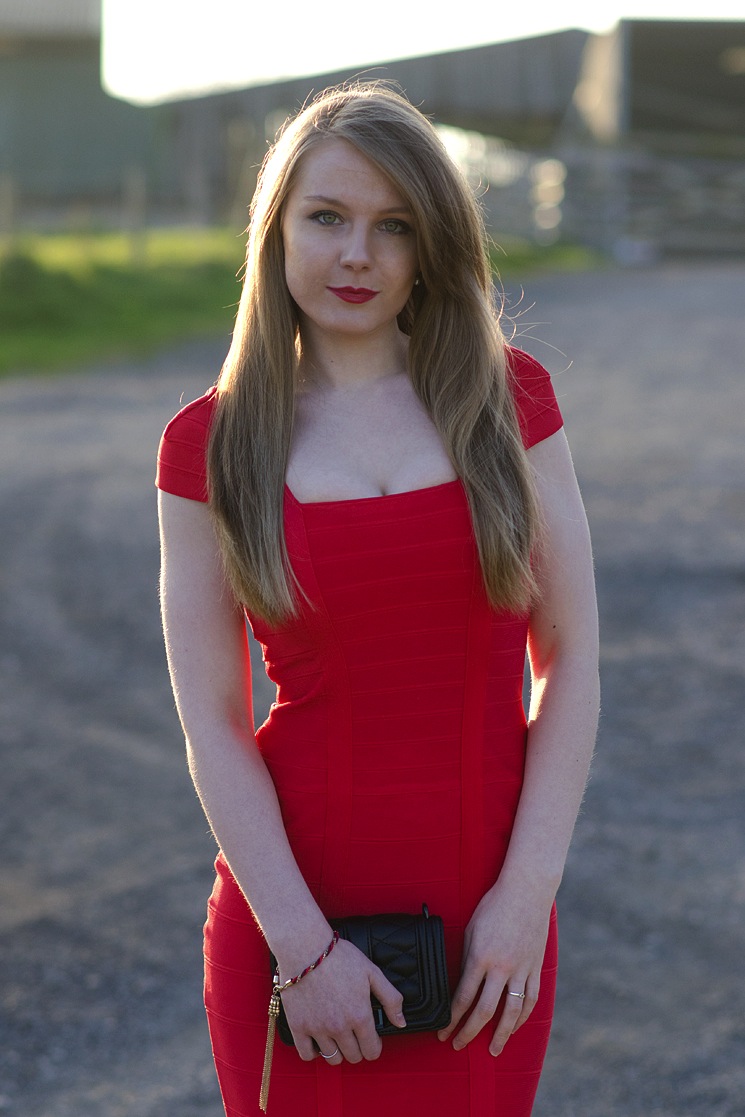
[
  {"x": 367, "y": 1042},
  {"x": 512, "y": 1010},
  {"x": 463, "y": 997},
  {"x": 348, "y": 1047},
  {"x": 483, "y": 1011},
  {"x": 389, "y": 997},
  {"x": 370, "y": 1043},
  {"x": 306, "y": 1048},
  {"x": 328, "y": 1051},
  {"x": 532, "y": 990}
]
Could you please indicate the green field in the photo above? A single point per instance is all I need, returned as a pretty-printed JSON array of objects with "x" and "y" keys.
[{"x": 68, "y": 300}]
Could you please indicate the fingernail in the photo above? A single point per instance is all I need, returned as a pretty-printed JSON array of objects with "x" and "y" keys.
[
  {"x": 401, "y": 1020},
  {"x": 457, "y": 1046}
]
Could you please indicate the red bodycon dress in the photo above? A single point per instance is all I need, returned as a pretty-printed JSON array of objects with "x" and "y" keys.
[{"x": 396, "y": 744}]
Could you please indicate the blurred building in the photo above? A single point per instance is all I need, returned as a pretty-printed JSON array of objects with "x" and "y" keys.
[
  {"x": 634, "y": 140},
  {"x": 67, "y": 150},
  {"x": 655, "y": 143},
  {"x": 503, "y": 105}
]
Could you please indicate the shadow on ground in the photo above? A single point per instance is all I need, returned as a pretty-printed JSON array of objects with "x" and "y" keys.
[{"x": 106, "y": 857}]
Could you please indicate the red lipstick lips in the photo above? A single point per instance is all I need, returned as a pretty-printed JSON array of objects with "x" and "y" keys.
[{"x": 353, "y": 294}]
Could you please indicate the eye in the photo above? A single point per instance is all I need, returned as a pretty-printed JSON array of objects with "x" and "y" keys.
[
  {"x": 394, "y": 226},
  {"x": 326, "y": 217}
]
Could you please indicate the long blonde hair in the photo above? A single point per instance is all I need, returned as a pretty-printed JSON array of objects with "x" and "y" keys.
[{"x": 456, "y": 357}]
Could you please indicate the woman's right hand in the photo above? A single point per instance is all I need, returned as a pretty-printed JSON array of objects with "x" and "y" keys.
[{"x": 330, "y": 1008}]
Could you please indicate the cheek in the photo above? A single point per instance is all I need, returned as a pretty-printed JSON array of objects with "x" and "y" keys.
[
  {"x": 294, "y": 269},
  {"x": 304, "y": 257},
  {"x": 410, "y": 264}
]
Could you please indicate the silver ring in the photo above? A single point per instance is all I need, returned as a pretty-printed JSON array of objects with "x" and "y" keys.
[
  {"x": 511, "y": 994},
  {"x": 334, "y": 1052}
]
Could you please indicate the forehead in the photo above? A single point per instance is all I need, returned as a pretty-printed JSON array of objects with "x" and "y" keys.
[{"x": 334, "y": 168}]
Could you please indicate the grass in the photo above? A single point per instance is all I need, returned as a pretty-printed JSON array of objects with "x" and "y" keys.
[
  {"x": 513, "y": 258},
  {"x": 67, "y": 300}
]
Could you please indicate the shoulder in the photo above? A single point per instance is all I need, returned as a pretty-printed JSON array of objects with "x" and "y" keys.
[
  {"x": 182, "y": 454},
  {"x": 535, "y": 400}
]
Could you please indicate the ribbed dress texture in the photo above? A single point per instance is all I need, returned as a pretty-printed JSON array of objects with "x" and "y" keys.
[{"x": 396, "y": 744}]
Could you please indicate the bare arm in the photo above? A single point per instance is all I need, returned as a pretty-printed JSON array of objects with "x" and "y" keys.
[
  {"x": 506, "y": 938},
  {"x": 210, "y": 670},
  {"x": 209, "y": 663}
]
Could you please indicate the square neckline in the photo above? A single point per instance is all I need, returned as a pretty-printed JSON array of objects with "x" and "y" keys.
[{"x": 370, "y": 499}]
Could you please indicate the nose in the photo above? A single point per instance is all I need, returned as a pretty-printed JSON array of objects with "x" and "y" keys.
[{"x": 355, "y": 248}]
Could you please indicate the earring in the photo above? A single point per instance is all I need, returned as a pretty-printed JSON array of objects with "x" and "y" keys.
[{"x": 417, "y": 281}]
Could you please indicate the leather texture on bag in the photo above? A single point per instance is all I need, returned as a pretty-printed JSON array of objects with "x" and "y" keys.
[{"x": 410, "y": 950}]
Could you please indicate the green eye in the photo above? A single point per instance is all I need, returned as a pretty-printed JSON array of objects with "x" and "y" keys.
[
  {"x": 326, "y": 217},
  {"x": 395, "y": 226}
]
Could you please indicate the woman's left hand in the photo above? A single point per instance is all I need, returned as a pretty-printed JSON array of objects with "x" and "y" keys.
[{"x": 503, "y": 950}]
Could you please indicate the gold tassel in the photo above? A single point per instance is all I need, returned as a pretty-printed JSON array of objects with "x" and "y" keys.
[{"x": 273, "y": 1014}]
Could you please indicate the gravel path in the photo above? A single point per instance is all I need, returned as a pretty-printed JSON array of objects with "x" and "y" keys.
[{"x": 106, "y": 857}]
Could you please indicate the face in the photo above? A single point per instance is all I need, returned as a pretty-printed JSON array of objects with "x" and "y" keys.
[{"x": 349, "y": 244}]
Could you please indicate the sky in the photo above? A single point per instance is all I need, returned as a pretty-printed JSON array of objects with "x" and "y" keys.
[{"x": 159, "y": 49}]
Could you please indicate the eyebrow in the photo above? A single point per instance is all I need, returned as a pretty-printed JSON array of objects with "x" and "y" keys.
[{"x": 342, "y": 205}]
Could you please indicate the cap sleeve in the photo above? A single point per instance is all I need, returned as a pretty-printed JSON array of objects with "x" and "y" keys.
[
  {"x": 182, "y": 454},
  {"x": 537, "y": 409}
]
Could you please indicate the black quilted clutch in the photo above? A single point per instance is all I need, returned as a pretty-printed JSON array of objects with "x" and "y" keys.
[{"x": 410, "y": 950}]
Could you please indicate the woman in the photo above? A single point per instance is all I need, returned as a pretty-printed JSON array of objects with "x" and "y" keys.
[{"x": 392, "y": 503}]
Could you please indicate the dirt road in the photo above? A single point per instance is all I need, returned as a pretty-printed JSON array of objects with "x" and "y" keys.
[{"x": 106, "y": 857}]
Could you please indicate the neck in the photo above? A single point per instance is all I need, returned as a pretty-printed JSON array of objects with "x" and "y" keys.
[{"x": 350, "y": 362}]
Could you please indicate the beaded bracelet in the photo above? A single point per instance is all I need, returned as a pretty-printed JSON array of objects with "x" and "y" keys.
[{"x": 298, "y": 977}]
